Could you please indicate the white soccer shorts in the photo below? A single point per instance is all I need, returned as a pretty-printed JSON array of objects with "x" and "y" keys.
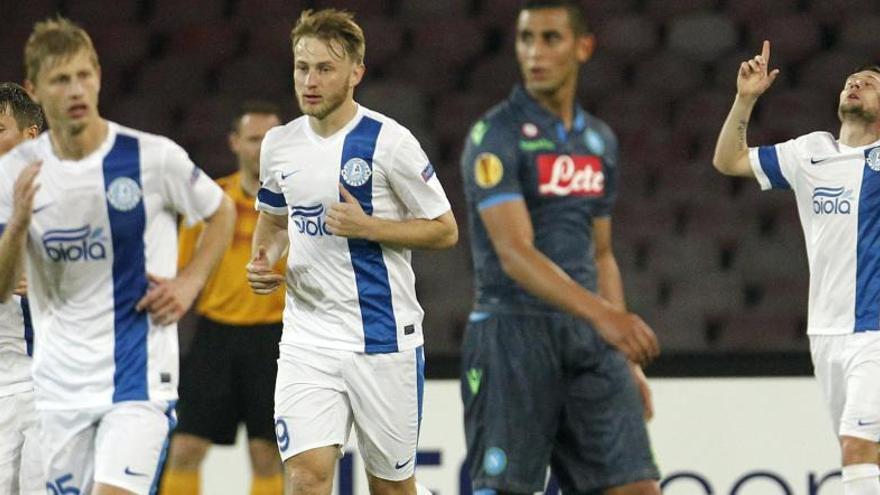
[
  {"x": 320, "y": 393},
  {"x": 21, "y": 467},
  {"x": 119, "y": 445},
  {"x": 848, "y": 371}
]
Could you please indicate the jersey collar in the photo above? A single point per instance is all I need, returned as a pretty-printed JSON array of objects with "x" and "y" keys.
[{"x": 544, "y": 118}]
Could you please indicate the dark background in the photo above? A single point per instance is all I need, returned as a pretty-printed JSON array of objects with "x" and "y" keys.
[{"x": 716, "y": 267}]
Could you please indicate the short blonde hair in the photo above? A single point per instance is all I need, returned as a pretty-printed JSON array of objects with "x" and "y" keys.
[
  {"x": 331, "y": 25},
  {"x": 53, "y": 40}
]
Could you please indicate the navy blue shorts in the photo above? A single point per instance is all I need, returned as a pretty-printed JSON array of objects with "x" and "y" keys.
[{"x": 545, "y": 389}]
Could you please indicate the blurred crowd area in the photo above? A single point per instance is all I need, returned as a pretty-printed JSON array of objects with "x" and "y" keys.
[{"x": 710, "y": 262}]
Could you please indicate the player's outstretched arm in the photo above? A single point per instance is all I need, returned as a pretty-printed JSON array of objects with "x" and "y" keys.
[
  {"x": 348, "y": 219},
  {"x": 14, "y": 237},
  {"x": 752, "y": 80},
  {"x": 510, "y": 230},
  {"x": 168, "y": 299},
  {"x": 269, "y": 243}
]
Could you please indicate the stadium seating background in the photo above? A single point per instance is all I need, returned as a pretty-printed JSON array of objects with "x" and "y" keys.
[{"x": 710, "y": 263}]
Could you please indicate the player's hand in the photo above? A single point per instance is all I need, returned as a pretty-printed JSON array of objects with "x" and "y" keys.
[
  {"x": 629, "y": 334},
  {"x": 753, "y": 79},
  {"x": 21, "y": 289},
  {"x": 23, "y": 193},
  {"x": 168, "y": 299},
  {"x": 260, "y": 275},
  {"x": 347, "y": 219},
  {"x": 644, "y": 390}
]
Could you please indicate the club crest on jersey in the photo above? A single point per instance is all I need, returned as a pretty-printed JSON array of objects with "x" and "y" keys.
[
  {"x": 570, "y": 175},
  {"x": 832, "y": 201},
  {"x": 78, "y": 244},
  {"x": 356, "y": 172},
  {"x": 873, "y": 159},
  {"x": 124, "y": 193},
  {"x": 529, "y": 130}
]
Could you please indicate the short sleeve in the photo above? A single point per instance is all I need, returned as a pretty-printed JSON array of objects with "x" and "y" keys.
[
  {"x": 490, "y": 165},
  {"x": 6, "y": 182},
  {"x": 774, "y": 166},
  {"x": 415, "y": 181},
  {"x": 11, "y": 165},
  {"x": 190, "y": 191},
  {"x": 270, "y": 197}
]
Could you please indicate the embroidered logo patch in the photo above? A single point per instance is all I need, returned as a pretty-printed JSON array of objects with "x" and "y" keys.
[
  {"x": 124, "y": 193},
  {"x": 356, "y": 172},
  {"x": 488, "y": 170}
]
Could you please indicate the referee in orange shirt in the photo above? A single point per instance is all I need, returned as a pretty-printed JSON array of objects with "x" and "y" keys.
[{"x": 228, "y": 377}]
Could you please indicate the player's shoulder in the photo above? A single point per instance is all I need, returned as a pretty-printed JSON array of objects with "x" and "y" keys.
[
  {"x": 24, "y": 153},
  {"x": 500, "y": 125},
  {"x": 819, "y": 143},
  {"x": 390, "y": 127},
  {"x": 285, "y": 131},
  {"x": 599, "y": 126},
  {"x": 816, "y": 139},
  {"x": 152, "y": 146}
]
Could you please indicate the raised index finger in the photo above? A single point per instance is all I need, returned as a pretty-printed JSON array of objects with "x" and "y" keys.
[{"x": 765, "y": 52}]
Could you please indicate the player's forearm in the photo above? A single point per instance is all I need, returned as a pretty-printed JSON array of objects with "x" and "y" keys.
[
  {"x": 732, "y": 149},
  {"x": 542, "y": 278},
  {"x": 271, "y": 233},
  {"x": 439, "y": 233},
  {"x": 12, "y": 245},
  {"x": 215, "y": 238},
  {"x": 610, "y": 281}
]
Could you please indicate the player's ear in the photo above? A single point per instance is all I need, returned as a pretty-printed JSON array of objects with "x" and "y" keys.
[
  {"x": 357, "y": 74},
  {"x": 32, "y": 132},
  {"x": 232, "y": 139},
  {"x": 31, "y": 90},
  {"x": 585, "y": 46}
]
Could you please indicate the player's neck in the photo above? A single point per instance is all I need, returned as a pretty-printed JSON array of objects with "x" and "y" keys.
[
  {"x": 70, "y": 145},
  {"x": 250, "y": 183},
  {"x": 560, "y": 103},
  {"x": 855, "y": 133},
  {"x": 335, "y": 120}
]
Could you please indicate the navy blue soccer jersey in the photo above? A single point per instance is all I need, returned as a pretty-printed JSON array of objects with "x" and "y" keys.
[{"x": 567, "y": 178}]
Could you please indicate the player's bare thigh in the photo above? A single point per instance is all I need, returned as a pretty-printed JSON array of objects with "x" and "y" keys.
[
  {"x": 311, "y": 472},
  {"x": 105, "y": 489}
]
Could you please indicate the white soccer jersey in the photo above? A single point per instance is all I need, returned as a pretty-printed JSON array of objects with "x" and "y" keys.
[
  {"x": 838, "y": 196},
  {"x": 16, "y": 346},
  {"x": 99, "y": 225},
  {"x": 349, "y": 294}
]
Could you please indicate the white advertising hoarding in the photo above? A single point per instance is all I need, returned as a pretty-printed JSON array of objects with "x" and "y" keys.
[{"x": 718, "y": 436}]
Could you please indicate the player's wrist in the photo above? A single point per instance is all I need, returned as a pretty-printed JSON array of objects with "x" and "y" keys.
[
  {"x": 18, "y": 223},
  {"x": 746, "y": 100}
]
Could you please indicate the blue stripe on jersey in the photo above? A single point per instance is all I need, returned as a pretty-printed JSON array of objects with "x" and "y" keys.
[
  {"x": 28, "y": 326},
  {"x": 867, "y": 310},
  {"x": 420, "y": 378},
  {"x": 498, "y": 199},
  {"x": 370, "y": 272},
  {"x": 770, "y": 164},
  {"x": 273, "y": 199},
  {"x": 160, "y": 467},
  {"x": 129, "y": 275}
]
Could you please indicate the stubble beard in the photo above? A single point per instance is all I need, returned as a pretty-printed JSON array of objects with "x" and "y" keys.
[
  {"x": 855, "y": 113},
  {"x": 330, "y": 104}
]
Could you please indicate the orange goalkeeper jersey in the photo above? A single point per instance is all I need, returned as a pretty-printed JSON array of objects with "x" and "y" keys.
[{"x": 227, "y": 297}]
